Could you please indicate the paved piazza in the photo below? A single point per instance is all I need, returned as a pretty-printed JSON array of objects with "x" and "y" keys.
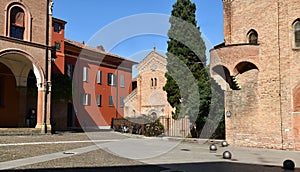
[{"x": 110, "y": 151}]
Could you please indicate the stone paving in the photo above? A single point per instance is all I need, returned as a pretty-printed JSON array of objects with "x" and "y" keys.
[{"x": 109, "y": 151}]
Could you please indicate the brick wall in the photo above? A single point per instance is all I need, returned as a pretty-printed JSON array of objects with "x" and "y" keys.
[{"x": 262, "y": 111}]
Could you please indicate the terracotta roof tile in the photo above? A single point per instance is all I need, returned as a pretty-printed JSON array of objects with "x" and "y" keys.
[{"x": 100, "y": 49}]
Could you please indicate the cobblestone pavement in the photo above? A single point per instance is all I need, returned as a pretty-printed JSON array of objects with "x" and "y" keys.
[{"x": 109, "y": 151}]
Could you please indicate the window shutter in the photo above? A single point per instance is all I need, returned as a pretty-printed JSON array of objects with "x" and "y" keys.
[
  {"x": 99, "y": 97},
  {"x": 110, "y": 101},
  {"x": 122, "y": 81},
  {"x": 109, "y": 80},
  {"x": 115, "y": 79},
  {"x": 85, "y": 74},
  {"x": 121, "y": 102},
  {"x": 297, "y": 34},
  {"x": 88, "y": 99},
  {"x": 99, "y": 77}
]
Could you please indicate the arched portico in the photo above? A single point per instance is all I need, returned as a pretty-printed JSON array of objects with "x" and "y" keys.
[{"x": 17, "y": 65}]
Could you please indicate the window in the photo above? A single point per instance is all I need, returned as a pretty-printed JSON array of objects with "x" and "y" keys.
[
  {"x": 111, "y": 79},
  {"x": 110, "y": 101},
  {"x": 57, "y": 27},
  {"x": 70, "y": 70},
  {"x": 99, "y": 100},
  {"x": 153, "y": 82},
  {"x": 252, "y": 37},
  {"x": 121, "y": 102},
  {"x": 99, "y": 77},
  {"x": 85, "y": 74},
  {"x": 17, "y": 23},
  {"x": 297, "y": 34},
  {"x": 57, "y": 45},
  {"x": 122, "y": 81},
  {"x": 85, "y": 99}
]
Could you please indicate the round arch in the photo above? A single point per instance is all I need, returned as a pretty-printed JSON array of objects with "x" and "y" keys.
[
  {"x": 37, "y": 69},
  {"x": 28, "y": 18},
  {"x": 243, "y": 66}
]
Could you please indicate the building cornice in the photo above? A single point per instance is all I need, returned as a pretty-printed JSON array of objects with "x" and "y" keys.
[{"x": 18, "y": 41}]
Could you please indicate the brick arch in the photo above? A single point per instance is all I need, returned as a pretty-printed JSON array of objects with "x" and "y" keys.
[
  {"x": 243, "y": 67},
  {"x": 224, "y": 73},
  {"x": 38, "y": 71},
  {"x": 27, "y": 19}
]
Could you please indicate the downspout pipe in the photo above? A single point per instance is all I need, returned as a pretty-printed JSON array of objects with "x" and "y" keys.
[{"x": 46, "y": 84}]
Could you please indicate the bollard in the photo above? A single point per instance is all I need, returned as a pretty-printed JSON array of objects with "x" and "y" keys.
[
  {"x": 288, "y": 164},
  {"x": 227, "y": 155},
  {"x": 224, "y": 144},
  {"x": 213, "y": 148}
]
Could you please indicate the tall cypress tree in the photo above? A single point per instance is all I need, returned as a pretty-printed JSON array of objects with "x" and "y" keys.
[{"x": 188, "y": 84}]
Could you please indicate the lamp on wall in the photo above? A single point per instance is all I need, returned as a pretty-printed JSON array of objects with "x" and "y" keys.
[{"x": 228, "y": 113}]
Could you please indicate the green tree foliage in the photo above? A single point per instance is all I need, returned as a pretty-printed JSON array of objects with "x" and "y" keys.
[
  {"x": 215, "y": 122},
  {"x": 61, "y": 87},
  {"x": 154, "y": 128},
  {"x": 188, "y": 84}
]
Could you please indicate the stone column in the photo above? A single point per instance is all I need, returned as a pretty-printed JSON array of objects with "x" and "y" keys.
[
  {"x": 41, "y": 109},
  {"x": 40, "y": 106}
]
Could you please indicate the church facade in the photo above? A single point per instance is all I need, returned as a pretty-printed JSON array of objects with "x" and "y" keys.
[
  {"x": 149, "y": 99},
  {"x": 258, "y": 67}
]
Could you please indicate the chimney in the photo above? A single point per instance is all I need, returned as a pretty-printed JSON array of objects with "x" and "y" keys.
[{"x": 101, "y": 48}]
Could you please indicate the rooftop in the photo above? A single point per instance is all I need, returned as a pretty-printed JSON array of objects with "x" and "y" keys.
[{"x": 99, "y": 49}]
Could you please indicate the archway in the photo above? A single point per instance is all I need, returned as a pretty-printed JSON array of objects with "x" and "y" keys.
[
  {"x": 9, "y": 100},
  {"x": 224, "y": 73},
  {"x": 23, "y": 76},
  {"x": 243, "y": 67}
]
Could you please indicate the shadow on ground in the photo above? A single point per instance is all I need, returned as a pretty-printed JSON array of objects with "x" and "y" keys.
[{"x": 187, "y": 167}]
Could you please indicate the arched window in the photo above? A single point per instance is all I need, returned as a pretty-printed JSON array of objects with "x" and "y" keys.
[
  {"x": 297, "y": 34},
  {"x": 152, "y": 82},
  {"x": 17, "y": 23},
  {"x": 252, "y": 37}
]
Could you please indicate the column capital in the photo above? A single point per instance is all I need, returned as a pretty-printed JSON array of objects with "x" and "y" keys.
[{"x": 41, "y": 86}]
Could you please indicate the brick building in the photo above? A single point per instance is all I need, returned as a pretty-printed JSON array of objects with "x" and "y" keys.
[
  {"x": 257, "y": 66},
  {"x": 32, "y": 48},
  {"x": 24, "y": 62}
]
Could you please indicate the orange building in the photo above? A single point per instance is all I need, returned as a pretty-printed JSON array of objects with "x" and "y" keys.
[{"x": 100, "y": 81}]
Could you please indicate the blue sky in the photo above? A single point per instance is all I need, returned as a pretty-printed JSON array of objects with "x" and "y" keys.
[{"x": 100, "y": 21}]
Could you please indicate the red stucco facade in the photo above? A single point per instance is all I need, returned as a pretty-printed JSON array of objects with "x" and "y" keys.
[{"x": 71, "y": 59}]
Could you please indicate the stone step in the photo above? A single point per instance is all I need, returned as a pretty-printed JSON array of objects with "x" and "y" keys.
[{"x": 19, "y": 131}]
